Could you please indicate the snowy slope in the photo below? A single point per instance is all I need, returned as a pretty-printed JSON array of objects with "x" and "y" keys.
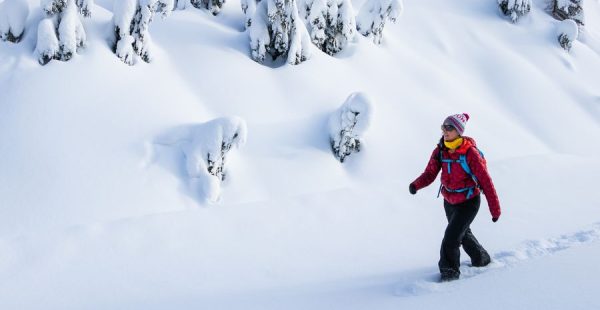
[{"x": 95, "y": 214}]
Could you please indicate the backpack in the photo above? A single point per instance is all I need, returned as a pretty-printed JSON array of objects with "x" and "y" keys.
[{"x": 462, "y": 160}]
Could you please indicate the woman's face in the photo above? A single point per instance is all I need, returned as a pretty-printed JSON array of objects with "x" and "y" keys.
[{"x": 450, "y": 133}]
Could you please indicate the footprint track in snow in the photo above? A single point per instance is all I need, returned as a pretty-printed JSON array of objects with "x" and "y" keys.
[{"x": 528, "y": 250}]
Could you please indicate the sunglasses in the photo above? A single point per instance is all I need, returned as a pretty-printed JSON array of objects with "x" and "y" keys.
[{"x": 448, "y": 128}]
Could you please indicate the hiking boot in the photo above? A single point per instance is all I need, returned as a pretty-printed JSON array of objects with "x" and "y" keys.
[
  {"x": 449, "y": 276},
  {"x": 485, "y": 260}
]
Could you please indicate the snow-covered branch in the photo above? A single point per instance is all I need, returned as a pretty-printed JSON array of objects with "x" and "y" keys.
[
  {"x": 13, "y": 15},
  {"x": 374, "y": 14}
]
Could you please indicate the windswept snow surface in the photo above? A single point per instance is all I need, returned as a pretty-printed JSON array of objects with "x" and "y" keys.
[{"x": 93, "y": 215}]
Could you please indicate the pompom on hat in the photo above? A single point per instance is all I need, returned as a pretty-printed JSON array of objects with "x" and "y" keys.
[{"x": 458, "y": 121}]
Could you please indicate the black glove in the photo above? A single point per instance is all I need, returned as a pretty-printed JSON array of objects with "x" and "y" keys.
[
  {"x": 495, "y": 219},
  {"x": 412, "y": 189}
]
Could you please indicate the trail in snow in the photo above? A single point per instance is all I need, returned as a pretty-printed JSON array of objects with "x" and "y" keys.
[{"x": 530, "y": 249}]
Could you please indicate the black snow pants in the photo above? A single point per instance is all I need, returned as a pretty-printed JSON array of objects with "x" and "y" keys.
[{"x": 460, "y": 216}]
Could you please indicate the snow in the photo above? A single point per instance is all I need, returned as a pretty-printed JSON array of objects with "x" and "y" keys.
[
  {"x": 94, "y": 214},
  {"x": 123, "y": 15},
  {"x": 13, "y": 14}
]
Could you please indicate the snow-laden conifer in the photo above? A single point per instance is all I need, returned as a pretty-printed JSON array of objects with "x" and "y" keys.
[
  {"x": 277, "y": 30},
  {"x": 567, "y": 33},
  {"x": 13, "y": 15},
  {"x": 569, "y": 9},
  {"x": 131, "y": 21},
  {"x": 207, "y": 149},
  {"x": 514, "y": 9},
  {"x": 212, "y": 6},
  {"x": 331, "y": 23},
  {"x": 348, "y": 124},
  {"x": 61, "y": 34},
  {"x": 373, "y": 16}
]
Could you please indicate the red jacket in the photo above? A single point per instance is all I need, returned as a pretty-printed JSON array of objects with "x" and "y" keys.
[{"x": 458, "y": 178}]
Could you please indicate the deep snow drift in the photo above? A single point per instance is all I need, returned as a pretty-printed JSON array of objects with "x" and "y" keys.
[{"x": 95, "y": 213}]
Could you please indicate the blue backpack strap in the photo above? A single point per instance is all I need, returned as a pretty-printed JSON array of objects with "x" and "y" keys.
[{"x": 465, "y": 165}]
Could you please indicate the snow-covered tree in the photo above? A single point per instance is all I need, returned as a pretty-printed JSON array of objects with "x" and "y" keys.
[
  {"x": 277, "y": 30},
  {"x": 61, "y": 33},
  {"x": 514, "y": 8},
  {"x": 567, "y": 33},
  {"x": 348, "y": 124},
  {"x": 13, "y": 15},
  {"x": 331, "y": 23},
  {"x": 249, "y": 7},
  {"x": 131, "y": 21},
  {"x": 213, "y": 6},
  {"x": 207, "y": 149},
  {"x": 568, "y": 9},
  {"x": 374, "y": 14}
]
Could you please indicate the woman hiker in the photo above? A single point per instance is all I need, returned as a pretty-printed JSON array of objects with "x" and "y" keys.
[{"x": 464, "y": 177}]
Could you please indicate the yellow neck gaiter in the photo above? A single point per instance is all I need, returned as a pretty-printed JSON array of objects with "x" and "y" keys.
[{"x": 453, "y": 145}]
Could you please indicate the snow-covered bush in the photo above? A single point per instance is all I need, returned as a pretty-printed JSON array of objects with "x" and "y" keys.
[
  {"x": 331, "y": 23},
  {"x": 568, "y": 9},
  {"x": 374, "y": 14},
  {"x": 213, "y": 6},
  {"x": 62, "y": 27},
  {"x": 207, "y": 149},
  {"x": 514, "y": 8},
  {"x": 249, "y": 7},
  {"x": 348, "y": 124},
  {"x": 567, "y": 33},
  {"x": 13, "y": 15},
  {"x": 277, "y": 30},
  {"x": 131, "y": 21},
  {"x": 47, "y": 47}
]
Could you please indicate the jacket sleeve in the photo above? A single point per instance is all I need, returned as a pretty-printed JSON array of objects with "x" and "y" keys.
[
  {"x": 479, "y": 170},
  {"x": 431, "y": 171}
]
